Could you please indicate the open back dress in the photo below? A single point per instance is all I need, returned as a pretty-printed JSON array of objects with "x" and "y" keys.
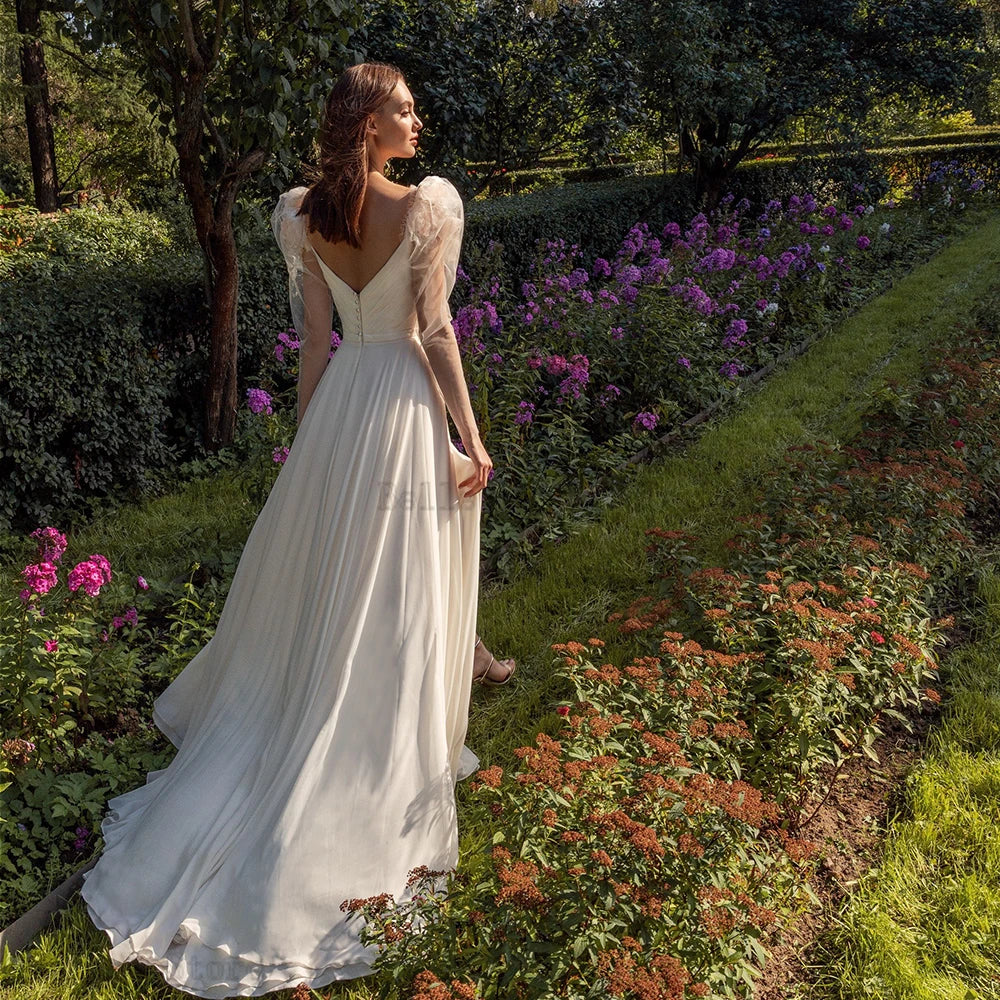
[{"x": 320, "y": 732}]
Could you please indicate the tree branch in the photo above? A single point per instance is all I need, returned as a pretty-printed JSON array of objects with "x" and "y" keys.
[
  {"x": 83, "y": 62},
  {"x": 187, "y": 29}
]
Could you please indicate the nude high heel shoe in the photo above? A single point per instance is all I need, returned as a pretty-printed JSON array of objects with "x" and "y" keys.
[{"x": 484, "y": 677}]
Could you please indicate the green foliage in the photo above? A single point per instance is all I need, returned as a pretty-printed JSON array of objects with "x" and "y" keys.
[
  {"x": 724, "y": 92},
  {"x": 269, "y": 70},
  {"x": 104, "y": 318},
  {"x": 505, "y": 83}
]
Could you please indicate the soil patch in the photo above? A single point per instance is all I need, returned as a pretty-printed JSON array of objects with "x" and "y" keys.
[{"x": 850, "y": 827}]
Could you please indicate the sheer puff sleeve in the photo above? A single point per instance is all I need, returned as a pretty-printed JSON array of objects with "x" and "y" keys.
[
  {"x": 309, "y": 295},
  {"x": 435, "y": 224}
]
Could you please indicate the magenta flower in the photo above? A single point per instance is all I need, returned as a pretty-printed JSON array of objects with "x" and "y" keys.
[
  {"x": 51, "y": 645},
  {"x": 140, "y": 582},
  {"x": 40, "y": 577},
  {"x": 89, "y": 575},
  {"x": 280, "y": 454},
  {"x": 646, "y": 420}
]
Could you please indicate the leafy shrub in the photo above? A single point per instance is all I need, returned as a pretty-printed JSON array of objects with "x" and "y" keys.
[{"x": 644, "y": 846}]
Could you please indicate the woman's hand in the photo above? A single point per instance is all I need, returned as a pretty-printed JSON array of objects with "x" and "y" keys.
[{"x": 484, "y": 465}]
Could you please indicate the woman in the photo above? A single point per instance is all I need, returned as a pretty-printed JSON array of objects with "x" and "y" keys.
[{"x": 320, "y": 732}]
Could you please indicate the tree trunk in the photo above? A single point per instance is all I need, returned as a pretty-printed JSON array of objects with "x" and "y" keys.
[
  {"x": 37, "y": 112},
  {"x": 220, "y": 391}
]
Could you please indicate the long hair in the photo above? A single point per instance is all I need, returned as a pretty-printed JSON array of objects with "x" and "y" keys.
[{"x": 333, "y": 202}]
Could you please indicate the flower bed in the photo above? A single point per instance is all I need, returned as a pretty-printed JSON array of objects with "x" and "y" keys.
[
  {"x": 655, "y": 828},
  {"x": 585, "y": 369}
]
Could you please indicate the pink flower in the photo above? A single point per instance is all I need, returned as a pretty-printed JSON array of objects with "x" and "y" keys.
[
  {"x": 89, "y": 575},
  {"x": 40, "y": 577},
  {"x": 141, "y": 583},
  {"x": 280, "y": 454},
  {"x": 869, "y": 602},
  {"x": 51, "y": 645},
  {"x": 877, "y": 638},
  {"x": 132, "y": 616},
  {"x": 103, "y": 565}
]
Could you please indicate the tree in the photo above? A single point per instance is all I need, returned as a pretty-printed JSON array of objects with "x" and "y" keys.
[
  {"x": 506, "y": 82},
  {"x": 236, "y": 86},
  {"x": 733, "y": 74},
  {"x": 37, "y": 111}
]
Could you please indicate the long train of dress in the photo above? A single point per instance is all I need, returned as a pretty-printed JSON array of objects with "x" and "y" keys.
[{"x": 320, "y": 732}]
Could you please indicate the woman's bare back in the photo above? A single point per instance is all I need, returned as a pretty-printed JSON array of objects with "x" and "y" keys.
[{"x": 383, "y": 213}]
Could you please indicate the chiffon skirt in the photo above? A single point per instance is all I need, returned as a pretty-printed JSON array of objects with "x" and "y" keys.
[{"x": 320, "y": 732}]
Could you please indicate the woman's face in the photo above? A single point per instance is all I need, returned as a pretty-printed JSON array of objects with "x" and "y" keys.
[{"x": 395, "y": 125}]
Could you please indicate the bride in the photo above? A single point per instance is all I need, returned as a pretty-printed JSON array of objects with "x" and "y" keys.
[{"x": 320, "y": 732}]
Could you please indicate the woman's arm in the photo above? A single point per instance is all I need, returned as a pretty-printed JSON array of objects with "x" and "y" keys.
[{"x": 314, "y": 338}]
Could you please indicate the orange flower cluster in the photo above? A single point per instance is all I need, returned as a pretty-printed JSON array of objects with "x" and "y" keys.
[
  {"x": 663, "y": 977},
  {"x": 519, "y": 885},
  {"x": 427, "y": 986}
]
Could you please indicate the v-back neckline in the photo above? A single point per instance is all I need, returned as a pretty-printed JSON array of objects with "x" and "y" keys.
[{"x": 399, "y": 246}]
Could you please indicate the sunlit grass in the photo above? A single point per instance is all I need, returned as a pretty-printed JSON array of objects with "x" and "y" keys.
[
  {"x": 926, "y": 922},
  {"x": 568, "y": 589}
]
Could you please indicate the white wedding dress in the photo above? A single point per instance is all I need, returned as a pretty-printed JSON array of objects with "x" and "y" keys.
[{"x": 320, "y": 732}]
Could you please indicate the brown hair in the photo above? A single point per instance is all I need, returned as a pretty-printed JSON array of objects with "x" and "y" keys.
[{"x": 333, "y": 202}]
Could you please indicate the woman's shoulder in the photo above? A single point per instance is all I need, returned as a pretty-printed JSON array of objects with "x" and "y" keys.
[{"x": 439, "y": 192}]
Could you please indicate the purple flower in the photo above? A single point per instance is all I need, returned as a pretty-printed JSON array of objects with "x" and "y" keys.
[
  {"x": 671, "y": 231},
  {"x": 258, "y": 401},
  {"x": 286, "y": 339},
  {"x": 82, "y": 833},
  {"x": 602, "y": 269},
  {"x": 864, "y": 243},
  {"x": 730, "y": 369},
  {"x": 684, "y": 362},
  {"x": 132, "y": 616},
  {"x": 608, "y": 394},
  {"x": 617, "y": 332},
  {"x": 720, "y": 259},
  {"x": 51, "y": 544},
  {"x": 525, "y": 412},
  {"x": 645, "y": 420},
  {"x": 630, "y": 275},
  {"x": 735, "y": 333}
]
